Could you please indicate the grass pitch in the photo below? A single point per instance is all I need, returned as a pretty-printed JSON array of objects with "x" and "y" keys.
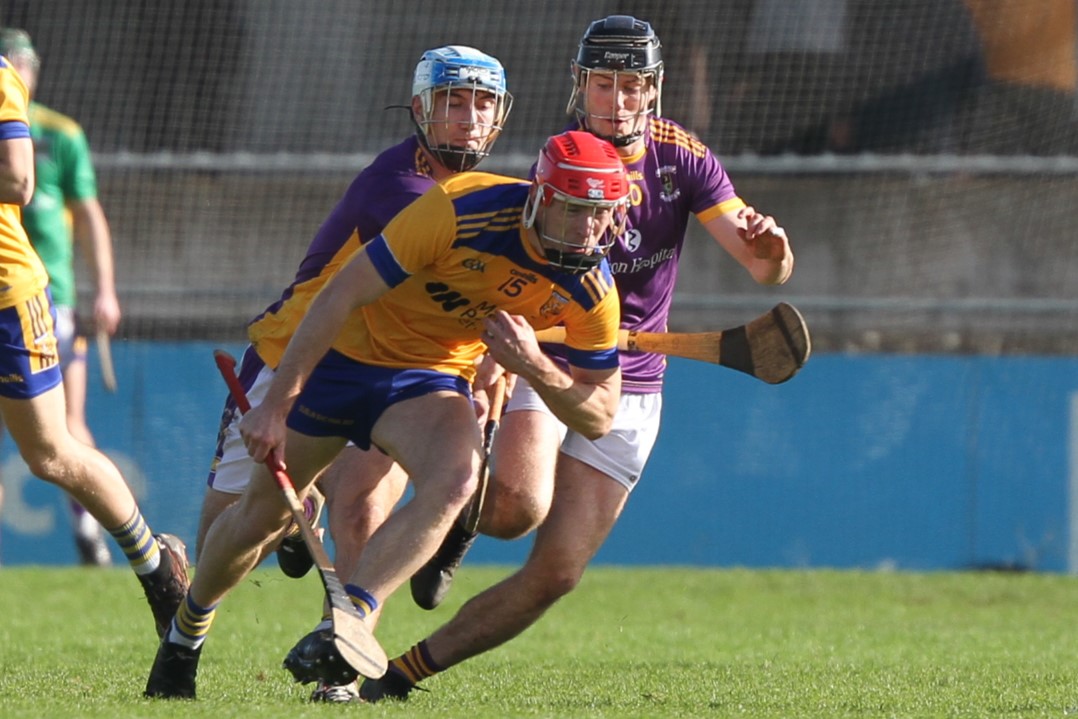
[{"x": 648, "y": 643}]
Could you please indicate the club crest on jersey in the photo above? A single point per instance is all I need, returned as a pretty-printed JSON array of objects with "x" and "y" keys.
[
  {"x": 554, "y": 306},
  {"x": 670, "y": 191},
  {"x": 475, "y": 264}
]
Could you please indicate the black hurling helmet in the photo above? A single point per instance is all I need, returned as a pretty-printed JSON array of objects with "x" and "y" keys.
[{"x": 618, "y": 44}]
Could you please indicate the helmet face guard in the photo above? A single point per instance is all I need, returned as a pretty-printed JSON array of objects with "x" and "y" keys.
[
  {"x": 451, "y": 68},
  {"x": 617, "y": 46},
  {"x": 580, "y": 182}
]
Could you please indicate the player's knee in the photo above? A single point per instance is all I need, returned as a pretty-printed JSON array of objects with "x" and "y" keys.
[
  {"x": 259, "y": 513},
  {"x": 452, "y": 485},
  {"x": 60, "y": 464},
  {"x": 551, "y": 583},
  {"x": 512, "y": 516},
  {"x": 46, "y": 466},
  {"x": 354, "y": 531},
  {"x": 511, "y": 527}
]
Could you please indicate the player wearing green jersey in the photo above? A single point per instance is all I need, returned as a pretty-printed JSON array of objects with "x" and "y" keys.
[{"x": 64, "y": 210}]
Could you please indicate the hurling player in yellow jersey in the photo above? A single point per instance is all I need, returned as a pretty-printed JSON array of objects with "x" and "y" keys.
[
  {"x": 64, "y": 213},
  {"x": 385, "y": 355},
  {"x": 31, "y": 389}
]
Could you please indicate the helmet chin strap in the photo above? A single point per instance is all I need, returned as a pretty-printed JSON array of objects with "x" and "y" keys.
[
  {"x": 573, "y": 264},
  {"x": 616, "y": 140},
  {"x": 456, "y": 159}
]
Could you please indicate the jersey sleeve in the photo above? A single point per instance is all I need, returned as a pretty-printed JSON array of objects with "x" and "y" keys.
[
  {"x": 591, "y": 337},
  {"x": 14, "y": 99},
  {"x": 415, "y": 238},
  {"x": 714, "y": 193},
  {"x": 79, "y": 182}
]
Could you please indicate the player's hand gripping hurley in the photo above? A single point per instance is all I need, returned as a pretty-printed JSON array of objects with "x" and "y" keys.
[
  {"x": 771, "y": 348},
  {"x": 351, "y": 637}
]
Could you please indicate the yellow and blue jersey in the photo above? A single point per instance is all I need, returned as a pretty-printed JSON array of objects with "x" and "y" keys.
[
  {"x": 455, "y": 256},
  {"x": 398, "y": 176},
  {"x": 22, "y": 275}
]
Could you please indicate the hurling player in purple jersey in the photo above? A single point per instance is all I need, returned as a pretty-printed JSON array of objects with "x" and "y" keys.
[
  {"x": 618, "y": 73},
  {"x": 459, "y": 106}
]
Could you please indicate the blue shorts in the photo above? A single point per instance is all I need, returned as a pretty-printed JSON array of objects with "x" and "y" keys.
[
  {"x": 29, "y": 361},
  {"x": 344, "y": 398}
]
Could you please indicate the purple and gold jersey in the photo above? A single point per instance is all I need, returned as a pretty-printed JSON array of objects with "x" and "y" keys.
[
  {"x": 674, "y": 177},
  {"x": 464, "y": 255},
  {"x": 22, "y": 275},
  {"x": 391, "y": 182}
]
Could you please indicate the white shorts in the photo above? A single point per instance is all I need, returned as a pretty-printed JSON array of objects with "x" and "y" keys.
[
  {"x": 231, "y": 471},
  {"x": 65, "y": 337},
  {"x": 620, "y": 454}
]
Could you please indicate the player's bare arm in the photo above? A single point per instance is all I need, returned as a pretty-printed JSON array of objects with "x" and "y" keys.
[
  {"x": 585, "y": 400},
  {"x": 757, "y": 242},
  {"x": 91, "y": 232},
  {"x": 16, "y": 171},
  {"x": 355, "y": 285}
]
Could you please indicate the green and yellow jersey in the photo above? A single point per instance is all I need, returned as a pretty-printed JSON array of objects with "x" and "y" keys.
[{"x": 64, "y": 174}]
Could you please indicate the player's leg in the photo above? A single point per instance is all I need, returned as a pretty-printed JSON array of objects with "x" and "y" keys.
[
  {"x": 246, "y": 531},
  {"x": 361, "y": 488},
  {"x": 88, "y": 535},
  {"x": 33, "y": 410},
  {"x": 231, "y": 467},
  {"x": 435, "y": 439},
  {"x": 518, "y": 494},
  {"x": 214, "y": 503},
  {"x": 522, "y": 470},
  {"x": 586, "y": 505},
  {"x": 593, "y": 482},
  {"x": 240, "y": 538},
  {"x": 39, "y": 428}
]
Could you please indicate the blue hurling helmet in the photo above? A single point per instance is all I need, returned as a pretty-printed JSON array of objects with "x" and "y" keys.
[{"x": 452, "y": 67}]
